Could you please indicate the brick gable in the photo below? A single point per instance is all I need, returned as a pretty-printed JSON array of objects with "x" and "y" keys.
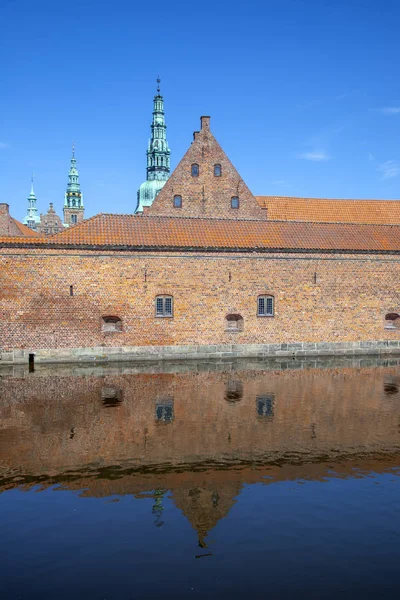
[{"x": 206, "y": 195}]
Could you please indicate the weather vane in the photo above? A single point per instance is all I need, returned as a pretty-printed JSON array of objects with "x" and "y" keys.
[{"x": 158, "y": 83}]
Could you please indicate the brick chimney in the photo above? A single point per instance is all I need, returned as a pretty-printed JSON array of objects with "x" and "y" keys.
[
  {"x": 4, "y": 219},
  {"x": 205, "y": 123}
]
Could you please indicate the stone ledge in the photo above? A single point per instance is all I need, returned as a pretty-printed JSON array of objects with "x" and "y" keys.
[{"x": 104, "y": 354}]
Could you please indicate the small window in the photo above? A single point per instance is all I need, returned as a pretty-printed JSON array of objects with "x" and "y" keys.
[
  {"x": 164, "y": 306},
  {"x": 111, "y": 324},
  {"x": 217, "y": 170},
  {"x": 195, "y": 170},
  {"x": 177, "y": 201},
  {"x": 233, "y": 390},
  {"x": 73, "y": 219},
  {"x": 265, "y": 306},
  {"x": 233, "y": 323},
  {"x": 165, "y": 410},
  {"x": 392, "y": 321},
  {"x": 234, "y": 202},
  {"x": 265, "y": 405}
]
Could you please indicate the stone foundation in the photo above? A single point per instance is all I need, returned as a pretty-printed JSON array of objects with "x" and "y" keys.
[{"x": 103, "y": 354}]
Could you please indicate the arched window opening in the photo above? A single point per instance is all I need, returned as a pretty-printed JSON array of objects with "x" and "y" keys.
[
  {"x": 111, "y": 324},
  {"x": 233, "y": 390},
  {"x": 392, "y": 321},
  {"x": 265, "y": 306},
  {"x": 177, "y": 201},
  {"x": 165, "y": 410},
  {"x": 164, "y": 306},
  {"x": 234, "y": 202},
  {"x": 217, "y": 171},
  {"x": 111, "y": 396},
  {"x": 234, "y": 323},
  {"x": 391, "y": 385},
  {"x": 195, "y": 170},
  {"x": 265, "y": 405},
  {"x": 73, "y": 219}
]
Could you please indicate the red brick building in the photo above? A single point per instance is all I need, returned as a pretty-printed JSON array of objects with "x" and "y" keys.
[{"x": 207, "y": 270}]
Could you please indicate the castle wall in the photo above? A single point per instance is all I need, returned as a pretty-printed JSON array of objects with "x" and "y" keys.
[{"x": 326, "y": 299}]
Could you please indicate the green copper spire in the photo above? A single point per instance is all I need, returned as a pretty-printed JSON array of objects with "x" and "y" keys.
[
  {"x": 158, "y": 155},
  {"x": 32, "y": 218},
  {"x": 73, "y": 195},
  {"x": 73, "y": 200}
]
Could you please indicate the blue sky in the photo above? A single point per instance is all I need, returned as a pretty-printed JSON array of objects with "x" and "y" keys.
[{"x": 304, "y": 95}]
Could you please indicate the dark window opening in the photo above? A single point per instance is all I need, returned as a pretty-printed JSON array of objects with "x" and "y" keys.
[
  {"x": 111, "y": 397},
  {"x": 217, "y": 170},
  {"x": 164, "y": 306},
  {"x": 391, "y": 385},
  {"x": 73, "y": 218},
  {"x": 265, "y": 405},
  {"x": 71, "y": 290},
  {"x": 111, "y": 324},
  {"x": 165, "y": 410},
  {"x": 177, "y": 201},
  {"x": 195, "y": 170},
  {"x": 233, "y": 390},
  {"x": 265, "y": 306},
  {"x": 234, "y": 202},
  {"x": 31, "y": 363},
  {"x": 392, "y": 321},
  {"x": 234, "y": 323}
]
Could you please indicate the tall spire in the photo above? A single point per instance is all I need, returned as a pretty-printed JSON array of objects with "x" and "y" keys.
[
  {"x": 73, "y": 199},
  {"x": 158, "y": 155},
  {"x": 32, "y": 218}
]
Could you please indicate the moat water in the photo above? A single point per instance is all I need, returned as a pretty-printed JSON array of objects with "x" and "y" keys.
[{"x": 201, "y": 480}]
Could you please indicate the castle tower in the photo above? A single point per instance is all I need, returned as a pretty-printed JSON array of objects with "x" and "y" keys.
[
  {"x": 74, "y": 211},
  {"x": 32, "y": 218},
  {"x": 158, "y": 156}
]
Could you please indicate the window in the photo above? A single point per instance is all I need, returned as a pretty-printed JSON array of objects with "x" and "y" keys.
[
  {"x": 177, "y": 201},
  {"x": 111, "y": 396},
  {"x": 233, "y": 390},
  {"x": 265, "y": 405},
  {"x": 195, "y": 170},
  {"x": 73, "y": 219},
  {"x": 233, "y": 323},
  {"x": 164, "y": 306},
  {"x": 392, "y": 321},
  {"x": 165, "y": 410},
  {"x": 234, "y": 202},
  {"x": 217, "y": 170},
  {"x": 111, "y": 324},
  {"x": 265, "y": 306}
]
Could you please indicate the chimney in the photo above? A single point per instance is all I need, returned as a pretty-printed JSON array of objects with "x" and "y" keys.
[{"x": 205, "y": 123}]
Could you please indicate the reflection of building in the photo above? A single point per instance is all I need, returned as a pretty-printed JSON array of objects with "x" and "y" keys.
[
  {"x": 210, "y": 448},
  {"x": 158, "y": 157}
]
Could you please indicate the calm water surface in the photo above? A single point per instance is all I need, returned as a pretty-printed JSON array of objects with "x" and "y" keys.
[{"x": 201, "y": 480}]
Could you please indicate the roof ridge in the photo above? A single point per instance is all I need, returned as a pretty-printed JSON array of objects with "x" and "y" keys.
[{"x": 329, "y": 199}]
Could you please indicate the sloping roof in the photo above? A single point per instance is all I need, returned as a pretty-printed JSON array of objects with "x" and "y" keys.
[
  {"x": 158, "y": 233},
  {"x": 25, "y": 231},
  {"x": 328, "y": 210}
]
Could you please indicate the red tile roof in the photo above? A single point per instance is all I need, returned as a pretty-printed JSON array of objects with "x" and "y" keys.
[
  {"x": 25, "y": 231},
  {"x": 159, "y": 233},
  {"x": 326, "y": 210}
]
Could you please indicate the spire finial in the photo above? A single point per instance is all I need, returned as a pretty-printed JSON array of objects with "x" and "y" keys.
[
  {"x": 158, "y": 84},
  {"x": 73, "y": 149}
]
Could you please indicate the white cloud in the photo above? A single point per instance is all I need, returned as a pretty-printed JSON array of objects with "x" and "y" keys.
[
  {"x": 389, "y": 169},
  {"x": 390, "y": 110},
  {"x": 3, "y": 145},
  {"x": 315, "y": 156}
]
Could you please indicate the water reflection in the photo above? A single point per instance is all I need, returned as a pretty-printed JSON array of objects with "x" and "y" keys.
[{"x": 54, "y": 429}]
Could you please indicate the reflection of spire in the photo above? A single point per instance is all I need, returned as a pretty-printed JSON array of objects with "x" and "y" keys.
[{"x": 158, "y": 508}]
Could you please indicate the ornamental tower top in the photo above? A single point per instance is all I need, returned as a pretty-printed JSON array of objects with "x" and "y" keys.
[
  {"x": 158, "y": 155},
  {"x": 73, "y": 201}
]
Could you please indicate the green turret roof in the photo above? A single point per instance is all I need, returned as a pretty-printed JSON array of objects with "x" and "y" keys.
[{"x": 31, "y": 218}]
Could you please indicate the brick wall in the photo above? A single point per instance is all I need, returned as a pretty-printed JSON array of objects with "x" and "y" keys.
[
  {"x": 318, "y": 298},
  {"x": 7, "y": 225},
  {"x": 206, "y": 195}
]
